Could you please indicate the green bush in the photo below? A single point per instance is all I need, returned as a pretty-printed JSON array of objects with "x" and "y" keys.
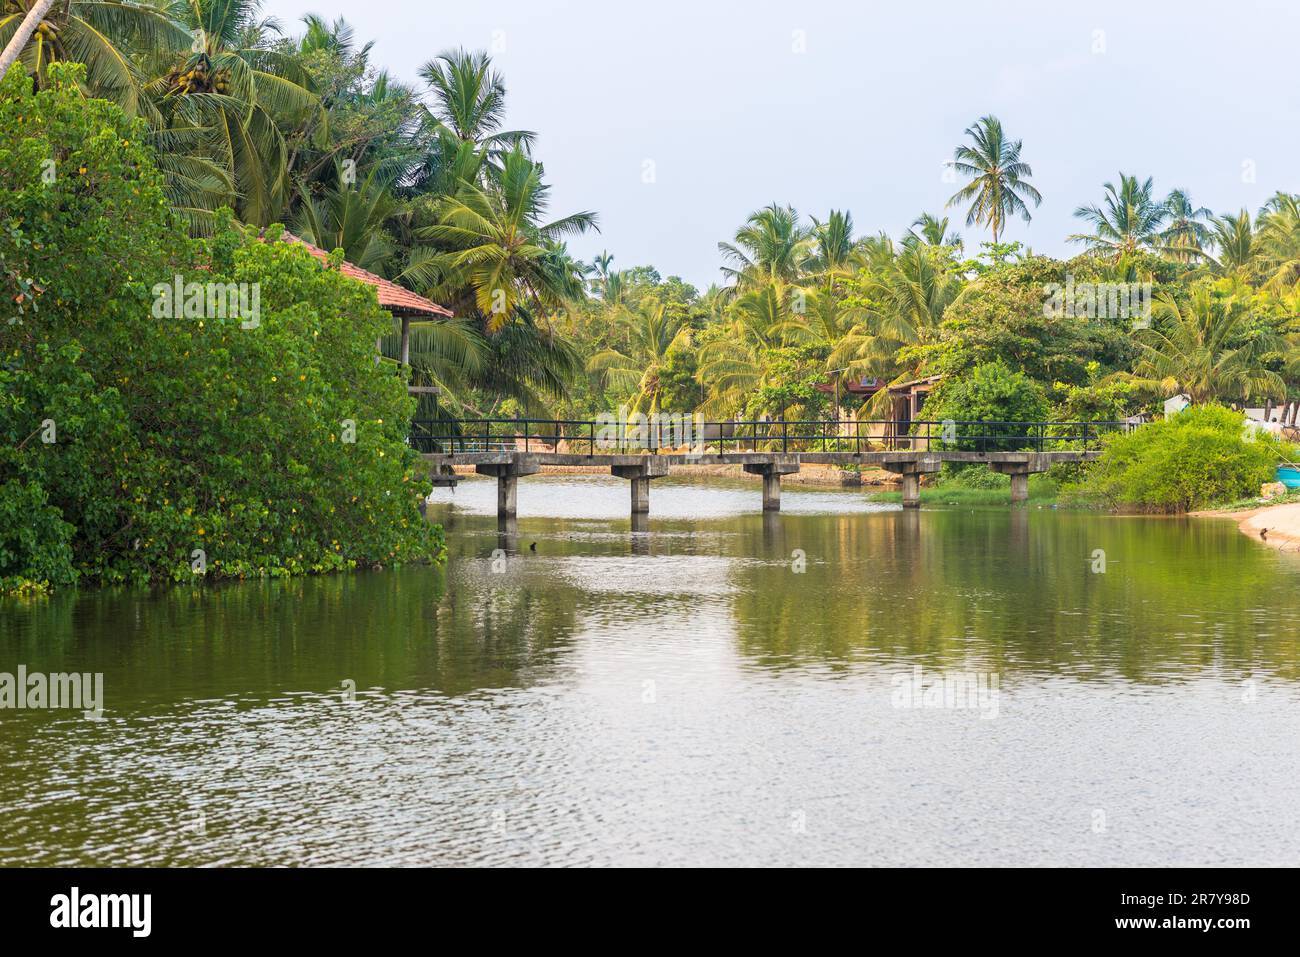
[
  {"x": 975, "y": 475},
  {"x": 991, "y": 392},
  {"x": 181, "y": 444},
  {"x": 35, "y": 541},
  {"x": 1199, "y": 458}
]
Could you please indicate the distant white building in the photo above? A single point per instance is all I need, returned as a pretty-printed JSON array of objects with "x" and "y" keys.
[{"x": 1176, "y": 404}]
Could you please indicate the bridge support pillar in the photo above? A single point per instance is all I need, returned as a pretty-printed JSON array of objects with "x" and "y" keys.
[
  {"x": 639, "y": 476},
  {"x": 912, "y": 489},
  {"x": 772, "y": 472},
  {"x": 1020, "y": 472},
  {"x": 507, "y": 494},
  {"x": 1019, "y": 486},
  {"x": 909, "y": 470},
  {"x": 507, "y": 476}
]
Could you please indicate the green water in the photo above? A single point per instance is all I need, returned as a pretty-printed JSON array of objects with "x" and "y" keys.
[{"x": 718, "y": 687}]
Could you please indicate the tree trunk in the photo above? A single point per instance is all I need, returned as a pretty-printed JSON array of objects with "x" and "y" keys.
[{"x": 25, "y": 30}]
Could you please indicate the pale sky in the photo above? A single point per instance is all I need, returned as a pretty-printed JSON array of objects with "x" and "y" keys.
[{"x": 819, "y": 104}]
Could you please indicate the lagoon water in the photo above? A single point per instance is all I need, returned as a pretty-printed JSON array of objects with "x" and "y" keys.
[{"x": 719, "y": 687}]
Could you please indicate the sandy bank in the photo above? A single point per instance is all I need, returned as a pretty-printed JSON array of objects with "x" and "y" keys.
[{"x": 1274, "y": 525}]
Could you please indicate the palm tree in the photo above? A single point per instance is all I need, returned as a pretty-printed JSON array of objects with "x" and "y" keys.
[
  {"x": 470, "y": 103},
  {"x": 1234, "y": 241},
  {"x": 933, "y": 232},
  {"x": 528, "y": 362},
  {"x": 1207, "y": 349},
  {"x": 732, "y": 366},
  {"x": 608, "y": 283},
  {"x": 834, "y": 246},
  {"x": 908, "y": 295},
  {"x": 1187, "y": 232},
  {"x": 493, "y": 256},
  {"x": 238, "y": 100},
  {"x": 448, "y": 354},
  {"x": 653, "y": 333},
  {"x": 105, "y": 35},
  {"x": 1129, "y": 220},
  {"x": 1278, "y": 239},
  {"x": 999, "y": 180},
  {"x": 351, "y": 218},
  {"x": 338, "y": 37},
  {"x": 772, "y": 246},
  {"x": 912, "y": 294}
]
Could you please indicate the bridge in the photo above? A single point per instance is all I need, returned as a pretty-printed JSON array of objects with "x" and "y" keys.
[{"x": 510, "y": 449}]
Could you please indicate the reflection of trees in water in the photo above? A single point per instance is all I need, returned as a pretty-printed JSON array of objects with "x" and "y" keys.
[
  {"x": 1014, "y": 590},
  {"x": 389, "y": 629},
  {"x": 502, "y": 632}
]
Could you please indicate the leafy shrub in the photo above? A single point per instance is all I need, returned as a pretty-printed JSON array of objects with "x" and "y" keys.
[
  {"x": 1201, "y": 457},
  {"x": 35, "y": 542},
  {"x": 272, "y": 449},
  {"x": 991, "y": 392},
  {"x": 1098, "y": 400},
  {"x": 974, "y": 475}
]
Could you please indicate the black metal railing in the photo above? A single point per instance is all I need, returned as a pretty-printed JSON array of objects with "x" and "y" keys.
[{"x": 593, "y": 437}]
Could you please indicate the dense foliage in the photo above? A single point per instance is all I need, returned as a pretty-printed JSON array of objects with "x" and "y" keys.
[
  {"x": 1203, "y": 456},
  {"x": 141, "y": 445},
  {"x": 990, "y": 393},
  {"x": 427, "y": 185}
]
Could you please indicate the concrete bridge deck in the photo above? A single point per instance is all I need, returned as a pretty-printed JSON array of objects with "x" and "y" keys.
[{"x": 508, "y": 466}]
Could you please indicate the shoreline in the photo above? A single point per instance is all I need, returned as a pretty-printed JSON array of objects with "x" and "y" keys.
[{"x": 1277, "y": 526}]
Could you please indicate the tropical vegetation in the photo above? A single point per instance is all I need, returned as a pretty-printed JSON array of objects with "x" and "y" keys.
[
  {"x": 142, "y": 443},
  {"x": 220, "y": 111}
]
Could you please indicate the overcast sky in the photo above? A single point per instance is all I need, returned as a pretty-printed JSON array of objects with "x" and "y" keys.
[{"x": 826, "y": 105}]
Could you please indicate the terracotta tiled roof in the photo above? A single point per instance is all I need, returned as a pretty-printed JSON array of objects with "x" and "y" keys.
[{"x": 396, "y": 299}]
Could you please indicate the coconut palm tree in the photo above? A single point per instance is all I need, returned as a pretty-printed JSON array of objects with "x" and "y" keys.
[
  {"x": 448, "y": 354},
  {"x": 912, "y": 293},
  {"x": 732, "y": 365},
  {"x": 833, "y": 248},
  {"x": 773, "y": 245},
  {"x": 908, "y": 295},
  {"x": 1278, "y": 240},
  {"x": 469, "y": 103},
  {"x": 653, "y": 332},
  {"x": 1130, "y": 219},
  {"x": 933, "y": 232},
  {"x": 1206, "y": 347},
  {"x": 999, "y": 182},
  {"x": 351, "y": 218},
  {"x": 492, "y": 254},
  {"x": 1234, "y": 241},
  {"x": 105, "y": 35},
  {"x": 607, "y": 283},
  {"x": 338, "y": 37},
  {"x": 237, "y": 99},
  {"x": 529, "y": 362},
  {"x": 1187, "y": 230}
]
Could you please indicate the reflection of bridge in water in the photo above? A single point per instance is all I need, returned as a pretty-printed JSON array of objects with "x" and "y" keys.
[{"x": 510, "y": 449}]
